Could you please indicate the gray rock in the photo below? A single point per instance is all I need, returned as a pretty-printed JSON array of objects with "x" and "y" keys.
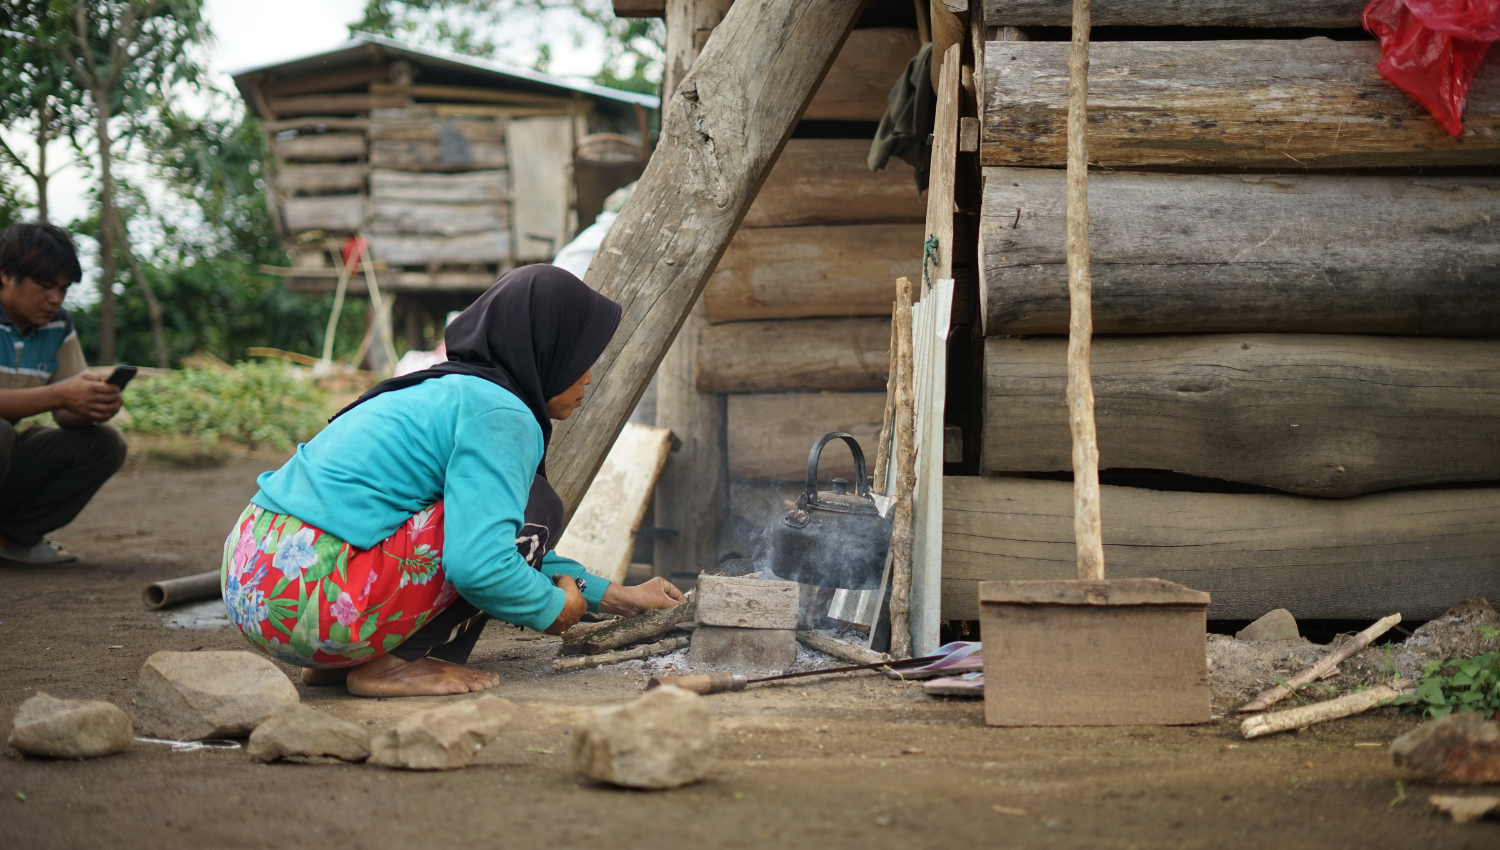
[
  {"x": 743, "y": 649},
  {"x": 189, "y": 696},
  {"x": 443, "y": 738},
  {"x": 301, "y": 733},
  {"x": 665, "y": 739},
  {"x": 69, "y": 728},
  {"x": 1275, "y": 625},
  {"x": 1460, "y": 748}
]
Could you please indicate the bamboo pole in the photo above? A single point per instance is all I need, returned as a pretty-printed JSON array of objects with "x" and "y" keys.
[
  {"x": 905, "y": 462},
  {"x": 1086, "y": 522},
  {"x": 1324, "y": 666},
  {"x": 1318, "y": 712}
]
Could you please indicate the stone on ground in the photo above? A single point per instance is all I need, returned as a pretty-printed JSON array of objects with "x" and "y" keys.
[
  {"x": 665, "y": 739},
  {"x": 443, "y": 738},
  {"x": 1459, "y": 749},
  {"x": 1275, "y": 625},
  {"x": 188, "y": 696},
  {"x": 69, "y": 728},
  {"x": 743, "y": 649},
  {"x": 1465, "y": 809},
  {"x": 301, "y": 733}
]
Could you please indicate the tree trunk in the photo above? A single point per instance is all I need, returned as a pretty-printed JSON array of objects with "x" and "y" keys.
[
  {"x": 43, "y": 135},
  {"x": 153, "y": 307},
  {"x": 108, "y": 227}
]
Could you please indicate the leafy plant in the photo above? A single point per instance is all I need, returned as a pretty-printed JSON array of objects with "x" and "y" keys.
[
  {"x": 1465, "y": 684},
  {"x": 253, "y": 403}
]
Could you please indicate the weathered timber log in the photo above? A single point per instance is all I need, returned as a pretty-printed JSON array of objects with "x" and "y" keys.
[
  {"x": 826, "y": 181},
  {"x": 643, "y": 626},
  {"x": 416, "y": 250},
  {"x": 461, "y": 188},
  {"x": 1321, "y": 14},
  {"x": 1416, "y": 551},
  {"x": 324, "y": 212},
  {"x": 321, "y": 147},
  {"x": 847, "y": 650},
  {"x": 1267, "y": 104},
  {"x": 1319, "y": 712},
  {"x": 808, "y": 355},
  {"x": 387, "y": 216},
  {"x": 721, "y": 130},
  {"x": 334, "y": 104},
  {"x": 1309, "y": 414},
  {"x": 1175, "y": 253},
  {"x": 434, "y": 155},
  {"x": 807, "y": 272},
  {"x": 770, "y": 435},
  {"x": 860, "y": 80},
  {"x": 321, "y": 178},
  {"x": 426, "y": 129}
]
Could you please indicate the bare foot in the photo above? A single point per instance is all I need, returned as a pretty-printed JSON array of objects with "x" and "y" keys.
[
  {"x": 324, "y": 678},
  {"x": 389, "y": 676}
]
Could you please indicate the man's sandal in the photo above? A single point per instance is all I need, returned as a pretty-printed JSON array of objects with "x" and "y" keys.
[{"x": 42, "y": 554}]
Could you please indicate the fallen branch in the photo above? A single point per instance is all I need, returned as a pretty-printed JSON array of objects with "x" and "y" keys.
[
  {"x": 1322, "y": 668},
  {"x": 1307, "y": 715},
  {"x": 618, "y": 633},
  {"x": 659, "y": 648},
  {"x": 841, "y": 648}
]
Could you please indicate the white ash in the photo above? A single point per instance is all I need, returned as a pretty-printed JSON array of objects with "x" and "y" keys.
[{"x": 676, "y": 663}]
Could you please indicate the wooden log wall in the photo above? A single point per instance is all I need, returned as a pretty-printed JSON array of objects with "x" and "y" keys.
[{"x": 1285, "y": 300}]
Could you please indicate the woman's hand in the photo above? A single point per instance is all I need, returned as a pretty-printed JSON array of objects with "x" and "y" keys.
[
  {"x": 573, "y": 609},
  {"x": 650, "y": 595}
]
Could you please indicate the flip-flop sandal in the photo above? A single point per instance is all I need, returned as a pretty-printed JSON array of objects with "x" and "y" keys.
[
  {"x": 954, "y": 654},
  {"x": 967, "y": 685},
  {"x": 43, "y": 553}
]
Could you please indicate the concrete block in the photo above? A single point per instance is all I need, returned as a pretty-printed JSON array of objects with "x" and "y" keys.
[
  {"x": 743, "y": 649},
  {"x": 747, "y": 603}
]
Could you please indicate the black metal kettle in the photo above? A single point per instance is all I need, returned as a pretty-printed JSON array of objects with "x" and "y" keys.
[{"x": 835, "y": 539}]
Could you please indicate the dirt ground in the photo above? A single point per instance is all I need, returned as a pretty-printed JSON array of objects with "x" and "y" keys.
[{"x": 859, "y": 761}]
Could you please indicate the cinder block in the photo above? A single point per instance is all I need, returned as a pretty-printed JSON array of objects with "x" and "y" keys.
[
  {"x": 747, "y": 603},
  {"x": 743, "y": 649}
]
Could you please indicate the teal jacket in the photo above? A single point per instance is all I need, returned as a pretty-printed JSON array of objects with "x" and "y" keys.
[{"x": 457, "y": 438}]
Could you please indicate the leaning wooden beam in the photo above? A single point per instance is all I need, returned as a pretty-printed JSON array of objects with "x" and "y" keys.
[
  {"x": 1319, "y": 712},
  {"x": 721, "y": 132},
  {"x": 1269, "y": 253},
  {"x": 1225, "y": 104},
  {"x": 1312, "y": 414},
  {"x": 1345, "y": 559},
  {"x": 851, "y": 652},
  {"x": 629, "y": 630},
  {"x": 661, "y": 647},
  {"x": 1323, "y": 667},
  {"x": 1323, "y": 14}
]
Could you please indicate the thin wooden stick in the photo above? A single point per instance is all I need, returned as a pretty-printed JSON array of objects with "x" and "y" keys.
[
  {"x": 1086, "y": 522},
  {"x": 1324, "y": 666},
  {"x": 902, "y": 526},
  {"x": 628, "y": 630},
  {"x": 883, "y": 448},
  {"x": 659, "y": 648},
  {"x": 1307, "y": 715},
  {"x": 847, "y": 650}
]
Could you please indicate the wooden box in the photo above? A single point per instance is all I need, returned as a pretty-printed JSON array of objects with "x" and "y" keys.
[{"x": 1108, "y": 653}]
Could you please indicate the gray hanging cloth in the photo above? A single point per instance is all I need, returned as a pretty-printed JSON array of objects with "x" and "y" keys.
[{"x": 905, "y": 129}]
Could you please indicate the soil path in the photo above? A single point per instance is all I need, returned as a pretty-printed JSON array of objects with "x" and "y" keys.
[{"x": 855, "y": 762}]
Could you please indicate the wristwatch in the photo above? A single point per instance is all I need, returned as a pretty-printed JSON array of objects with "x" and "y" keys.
[{"x": 582, "y": 585}]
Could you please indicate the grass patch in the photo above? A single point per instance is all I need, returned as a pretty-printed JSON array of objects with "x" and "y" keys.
[{"x": 255, "y": 404}]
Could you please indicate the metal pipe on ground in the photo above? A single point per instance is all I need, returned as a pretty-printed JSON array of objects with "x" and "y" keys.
[{"x": 174, "y": 591}]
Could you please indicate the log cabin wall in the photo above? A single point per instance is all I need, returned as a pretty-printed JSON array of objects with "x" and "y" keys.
[{"x": 1296, "y": 371}]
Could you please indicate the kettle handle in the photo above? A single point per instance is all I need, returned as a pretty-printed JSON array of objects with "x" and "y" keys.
[{"x": 861, "y": 483}]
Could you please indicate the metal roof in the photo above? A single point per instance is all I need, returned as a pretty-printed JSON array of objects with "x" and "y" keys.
[{"x": 356, "y": 51}]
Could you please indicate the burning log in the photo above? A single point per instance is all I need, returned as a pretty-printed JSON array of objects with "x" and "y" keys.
[
  {"x": 661, "y": 647},
  {"x": 643, "y": 626}
]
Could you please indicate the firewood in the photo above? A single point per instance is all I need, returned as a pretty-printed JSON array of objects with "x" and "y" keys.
[
  {"x": 1322, "y": 668},
  {"x": 661, "y": 647},
  {"x": 648, "y": 624},
  {"x": 1307, "y": 715}
]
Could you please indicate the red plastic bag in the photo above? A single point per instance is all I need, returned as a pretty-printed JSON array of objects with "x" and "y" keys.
[{"x": 1431, "y": 49}]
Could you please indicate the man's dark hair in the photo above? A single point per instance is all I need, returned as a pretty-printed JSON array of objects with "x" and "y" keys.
[{"x": 42, "y": 252}]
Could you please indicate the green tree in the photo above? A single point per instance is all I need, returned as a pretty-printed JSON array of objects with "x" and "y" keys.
[
  {"x": 36, "y": 89},
  {"x": 456, "y": 25},
  {"x": 12, "y": 207}
]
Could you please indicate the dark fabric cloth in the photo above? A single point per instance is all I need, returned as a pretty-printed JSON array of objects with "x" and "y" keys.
[
  {"x": 535, "y": 332},
  {"x": 47, "y": 475},
  {"x": 544, "y": 512},
  {"x": 906, "y": 127}
]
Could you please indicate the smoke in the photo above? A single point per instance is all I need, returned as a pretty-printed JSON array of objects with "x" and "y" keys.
[{"x": 833, "y": 550}]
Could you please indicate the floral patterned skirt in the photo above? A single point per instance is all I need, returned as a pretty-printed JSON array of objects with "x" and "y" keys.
[{"x": 304, "y": 596}]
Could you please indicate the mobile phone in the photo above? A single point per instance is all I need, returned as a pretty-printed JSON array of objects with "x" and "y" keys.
[{"x": 121, "y": 376}]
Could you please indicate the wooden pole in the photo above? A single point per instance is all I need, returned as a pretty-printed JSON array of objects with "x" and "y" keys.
[
  {"x": 905, "y": 463},
  {"x": 722, "y": 129},
  {"x": 888, "y": 420},
  {"x": 1086, "y": 523}
]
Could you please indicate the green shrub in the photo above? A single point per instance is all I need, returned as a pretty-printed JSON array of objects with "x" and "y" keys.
[
  {"x": 254, "y": 403},
  {"x": 1464, "y": 684}
]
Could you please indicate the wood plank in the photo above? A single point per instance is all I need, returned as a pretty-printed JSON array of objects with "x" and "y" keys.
[
  {"x": 454, "y": 153},
  {"x": 826, "y": 181},
  {"x": 459, "y": 188},
  {"x": 320, "y": 147},
  {"x": 433, "y": 129},
  {"x": 316, "y": 122},
  {"x": 770, "y": 435},
  {"x": 321, "y": 178},
  {"x": 541, "y": 182},
  {"x": 602, "y": 533},
  {"x": 807, "y": 272},
  {"x": 1417, "y": 552},
  {"x": 1277, "y": 104},
  {"x": 1310, "y": 414},
  {"x": 941, "y": 187},
  {"x": 326, "y": 82},
  {"x": 387, "y": 216},
  {"x": 421, "y": 250},
  {"x": 861, "y": 78},
  {"x": 1321, "y": 14},
  {"x": 304, "y": 280},
  {"x": 720, "y": 135},
  {"x": 335, "y": 104},
  {"x": 640, "y": 8},
  {"x": 930, "y": 326},
  {"x": 804, "y": 355},
  {"x": 324, "y": 212},
  {"x": 474, "y": 94},
  {"x": 1173, "y": 253}
]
